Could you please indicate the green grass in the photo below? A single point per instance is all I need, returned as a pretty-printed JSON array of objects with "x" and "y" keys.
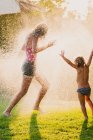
[
  {"x": 51, "y": 126},
  {"x": 60, "y": 125}
]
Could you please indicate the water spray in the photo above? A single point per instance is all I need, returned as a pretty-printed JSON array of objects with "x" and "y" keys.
[{"x": 71, "y": 35}]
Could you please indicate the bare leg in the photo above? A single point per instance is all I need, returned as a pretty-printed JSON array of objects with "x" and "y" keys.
[
  {"x": 42, "y": 92},
  {"x": 25, "y": 85},
  {"x": 82, "y": 103},
  {"x": 87, "y": 98}
]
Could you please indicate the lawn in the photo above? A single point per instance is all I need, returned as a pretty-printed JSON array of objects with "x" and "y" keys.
[{"x": 60, "y": 125}]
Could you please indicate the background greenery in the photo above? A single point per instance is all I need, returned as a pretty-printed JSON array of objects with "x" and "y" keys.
[{"x": 10, "y": 24}]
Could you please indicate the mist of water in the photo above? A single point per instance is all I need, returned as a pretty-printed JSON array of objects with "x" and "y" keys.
[
  {"x": 71, "y": 35},
  {"x": 80, "y": 9}
]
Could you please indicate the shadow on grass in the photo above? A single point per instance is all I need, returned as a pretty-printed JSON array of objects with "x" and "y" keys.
[
  {"x": 86, "y": 131},
  {"x": 34, "y": 129},
  {"x": 5, "y": 131}
]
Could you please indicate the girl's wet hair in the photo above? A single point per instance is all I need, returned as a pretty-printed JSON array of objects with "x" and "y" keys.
[
  {"x": 79, "y": 61},
  {"x": 40, "y": 30}
]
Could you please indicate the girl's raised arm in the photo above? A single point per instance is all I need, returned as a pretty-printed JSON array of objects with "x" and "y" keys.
[
  {"x": 90, "y": 59},
  {"x": 67, "y": 60}
]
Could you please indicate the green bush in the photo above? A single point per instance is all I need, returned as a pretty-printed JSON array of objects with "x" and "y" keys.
[{"x": 9, "y": 25}]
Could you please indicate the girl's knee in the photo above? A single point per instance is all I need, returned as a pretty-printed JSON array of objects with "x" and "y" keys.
[
  {"x": 45, "y": 88},
  {"x": 83, "y": 107},
  {"x": 82, "y": 104}
]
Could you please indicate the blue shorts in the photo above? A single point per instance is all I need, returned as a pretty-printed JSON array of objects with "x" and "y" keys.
[
  {"x": 28, "y": 68},
  {"x": 84, "y": 91}
]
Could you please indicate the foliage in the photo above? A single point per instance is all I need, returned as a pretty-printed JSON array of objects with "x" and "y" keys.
[{"x": 9, "y": 25}]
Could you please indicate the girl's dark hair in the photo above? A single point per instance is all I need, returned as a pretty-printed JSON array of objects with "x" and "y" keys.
[{"x": 79, "y": 61}]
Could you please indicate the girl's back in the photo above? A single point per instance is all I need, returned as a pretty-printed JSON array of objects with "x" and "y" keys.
[{"x": 83, "y": 76}]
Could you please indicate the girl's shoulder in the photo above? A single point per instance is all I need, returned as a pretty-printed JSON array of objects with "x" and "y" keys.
[
  {"x": 80, "y": 69},
  {"x": 86, "y": 66}
]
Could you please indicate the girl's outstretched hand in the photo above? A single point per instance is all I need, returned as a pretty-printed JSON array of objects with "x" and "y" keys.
[
  {"x": 51, "y": 44},
  {"x": 62, "y": 53},
  {"x": 92, "y": 52}
]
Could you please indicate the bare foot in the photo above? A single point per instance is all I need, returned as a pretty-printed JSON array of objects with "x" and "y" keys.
[
  {"x": 6, "y": 114},
  {"x": 86, "y": 119},
  {"x": 36, "y": 108}
]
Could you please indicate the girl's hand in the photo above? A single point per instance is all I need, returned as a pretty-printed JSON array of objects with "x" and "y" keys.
[
  {"x": 92, "y": 53},
  {"x": 51, "y": 44},
  {"x": 62, "y": 53}
]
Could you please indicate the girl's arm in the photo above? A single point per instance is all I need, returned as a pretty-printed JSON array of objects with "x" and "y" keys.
[
  {"x": 67, "y": 60},
  {"x": 90, "y": 59},
  {"x": 43, "y": 48},
  {"x": 23, "y": 47}
]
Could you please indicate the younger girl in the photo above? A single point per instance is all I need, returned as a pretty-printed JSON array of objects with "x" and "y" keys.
[{"x": 84, "y": 89}]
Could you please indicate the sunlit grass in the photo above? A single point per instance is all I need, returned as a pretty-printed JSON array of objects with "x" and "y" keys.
[{"x": 67, "y": 125}]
